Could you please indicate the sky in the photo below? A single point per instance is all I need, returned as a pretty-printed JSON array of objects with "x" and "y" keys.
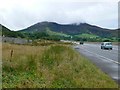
[{"x": 20, "y": 14}]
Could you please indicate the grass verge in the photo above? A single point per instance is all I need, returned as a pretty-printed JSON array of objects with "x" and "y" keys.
[{"x": 55, "y": 66}]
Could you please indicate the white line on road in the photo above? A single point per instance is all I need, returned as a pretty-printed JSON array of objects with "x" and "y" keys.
[{"x": 102, "y": 57}]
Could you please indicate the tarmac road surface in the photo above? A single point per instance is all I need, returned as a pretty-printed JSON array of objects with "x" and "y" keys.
[{"x": 106, "y": 60}]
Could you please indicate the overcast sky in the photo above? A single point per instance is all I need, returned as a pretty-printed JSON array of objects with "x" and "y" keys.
[{"x": 19, "y": 14}]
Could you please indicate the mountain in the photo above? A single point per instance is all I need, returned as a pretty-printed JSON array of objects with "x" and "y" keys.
[
  {"x": 70, "y": 29},
  {"x": 55, "y": 31},
  {"x": 4, "y": 31}
]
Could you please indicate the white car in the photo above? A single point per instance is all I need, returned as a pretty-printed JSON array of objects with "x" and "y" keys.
[{"x": 106, "y": 45}]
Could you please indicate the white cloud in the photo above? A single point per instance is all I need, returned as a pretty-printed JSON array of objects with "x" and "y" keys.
[{"x": 18, "y": 14}]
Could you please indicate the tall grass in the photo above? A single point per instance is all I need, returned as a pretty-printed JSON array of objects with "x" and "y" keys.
[{"x": 55, "y": 66}]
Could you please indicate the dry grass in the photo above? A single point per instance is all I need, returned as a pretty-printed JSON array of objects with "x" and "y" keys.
[
  {"x": 41, "y": 42},
  {"x": 55, "y": 66}
]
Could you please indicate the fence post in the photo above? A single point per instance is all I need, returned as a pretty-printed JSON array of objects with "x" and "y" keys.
[{"x": 11, "y": 54}]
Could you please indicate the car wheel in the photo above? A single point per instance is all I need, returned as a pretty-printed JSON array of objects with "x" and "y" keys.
[
  {"x": 101, "y": 48},
  {"x": 111, "y": 48}
]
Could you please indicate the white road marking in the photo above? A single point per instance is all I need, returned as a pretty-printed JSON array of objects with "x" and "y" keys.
[
  {"x": 102, "y": 57},
  {"x": 114, "y": 49}
]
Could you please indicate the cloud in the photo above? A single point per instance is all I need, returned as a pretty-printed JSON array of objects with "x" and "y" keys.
[{"x": 19, "y": 14}]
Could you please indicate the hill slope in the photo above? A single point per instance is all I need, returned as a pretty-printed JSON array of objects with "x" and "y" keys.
[
  {"x": 70, "y": 29},
  {"x": 55, "y": 31},
  {"x": 8, "y": 33}
]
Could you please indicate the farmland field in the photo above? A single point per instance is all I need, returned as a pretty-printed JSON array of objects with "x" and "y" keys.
[{"x": 51, "y": 66}]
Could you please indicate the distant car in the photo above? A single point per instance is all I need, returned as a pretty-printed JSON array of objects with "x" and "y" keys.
[
  {"x": 81, "y": 42},
  {"x": 106, "y": 45}
]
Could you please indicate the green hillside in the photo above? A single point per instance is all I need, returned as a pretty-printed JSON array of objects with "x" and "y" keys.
[
  {"x": 52, "y": 33},
  {"x": 71, "y": 29},
  {"x": 84, "y": 35},
  {"x": 8, "y": 33}
]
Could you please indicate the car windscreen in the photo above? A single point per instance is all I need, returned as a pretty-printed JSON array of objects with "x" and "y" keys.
[{"x": 108, "y": 43}]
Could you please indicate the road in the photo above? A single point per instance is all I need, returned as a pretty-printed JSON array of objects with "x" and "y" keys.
[{"x": 106, "y": 60}]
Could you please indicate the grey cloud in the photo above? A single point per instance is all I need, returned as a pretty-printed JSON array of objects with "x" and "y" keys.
[{"x": 19, "y": 15}]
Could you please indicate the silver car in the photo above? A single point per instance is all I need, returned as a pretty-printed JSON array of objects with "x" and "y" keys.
[{"x": 106, "y": 45}]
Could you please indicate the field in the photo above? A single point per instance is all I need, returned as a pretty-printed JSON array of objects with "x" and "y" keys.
[{"x": 51, "y": 66}]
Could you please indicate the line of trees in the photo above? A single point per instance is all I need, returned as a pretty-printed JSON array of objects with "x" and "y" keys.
[{"x": 46, "y": 36}]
